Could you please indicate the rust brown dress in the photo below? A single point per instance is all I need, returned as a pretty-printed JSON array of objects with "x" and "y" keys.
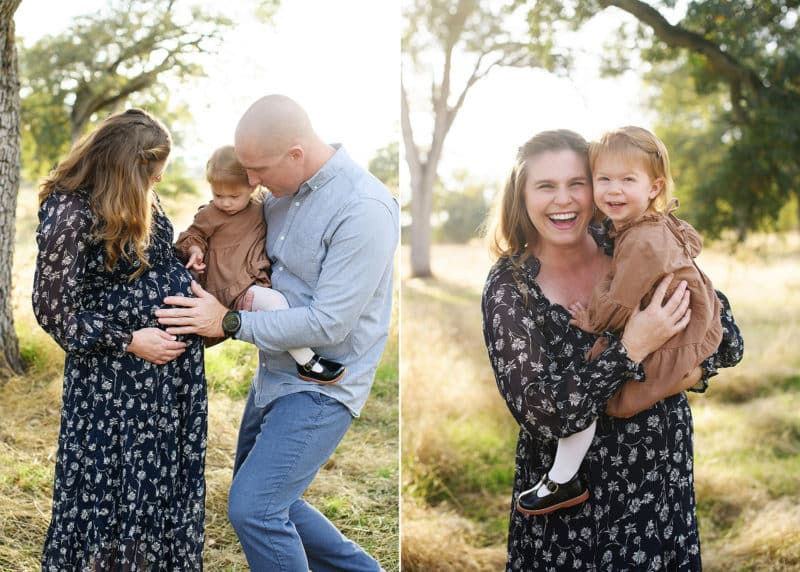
[
  {"x": 234, "y": 247},
  {"x": 645, "y": 251}
]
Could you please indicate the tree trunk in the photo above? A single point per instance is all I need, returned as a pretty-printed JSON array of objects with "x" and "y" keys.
[
  {"x": 421, "y": 196},
  {"x": 741, "y": 226},
  {"x": 421, "y": 210},
  {"x": 10, "y": 361},
  {"x": 797, "y": 198},
  {"x": 423, "y": 177}
]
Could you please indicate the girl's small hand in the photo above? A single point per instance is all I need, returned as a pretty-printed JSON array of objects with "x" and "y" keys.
[
  {"x": 246, "y": 303},
  {"x": 580, "y": 316},
  {"x": 195, "y": 261},
  {"x": 649, "y": 329},
  {"x": 155, "y": 345}
]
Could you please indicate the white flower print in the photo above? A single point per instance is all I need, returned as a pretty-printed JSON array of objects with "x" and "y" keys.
[
  {"x": 638, "y": 469},
  {"x": 106, "y": 490}
]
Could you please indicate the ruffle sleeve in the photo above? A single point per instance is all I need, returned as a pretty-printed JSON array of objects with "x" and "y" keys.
[
  {"x": 731, "y": 348},
  {"x": 197, "y": 234}
]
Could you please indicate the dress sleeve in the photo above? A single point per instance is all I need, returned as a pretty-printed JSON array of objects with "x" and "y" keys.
[
  {"x": 59, "y": 289},
  {"x": 730, "y": 350},
  {"x": 525, "y": 350},
  {"x": 197, "y": 234}
]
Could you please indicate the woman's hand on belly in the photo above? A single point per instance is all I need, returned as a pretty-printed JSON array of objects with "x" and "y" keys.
[{"x": 155, "y": 345}]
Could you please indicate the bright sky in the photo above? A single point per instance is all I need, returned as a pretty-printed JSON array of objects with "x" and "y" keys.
[
  {"x": 510, "y": 105},
  {"x": 340, "y": 60}
]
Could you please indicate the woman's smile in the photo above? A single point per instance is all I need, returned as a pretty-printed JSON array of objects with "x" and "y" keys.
[{"x": 563, "y": 220}]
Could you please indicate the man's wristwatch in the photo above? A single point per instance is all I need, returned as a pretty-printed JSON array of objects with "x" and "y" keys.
[{"x": 231, "y": 323}]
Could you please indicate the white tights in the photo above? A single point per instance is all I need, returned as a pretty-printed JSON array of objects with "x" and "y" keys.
[
  {"x": 266, "y": 299},
  {"x": 569, "y": 456}
]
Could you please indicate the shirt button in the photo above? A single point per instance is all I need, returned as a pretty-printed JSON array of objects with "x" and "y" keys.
[
  {"x": 282, "y": 237},
  {"x": 280, "y": 268},
  {"x": 297, "y": 203}
]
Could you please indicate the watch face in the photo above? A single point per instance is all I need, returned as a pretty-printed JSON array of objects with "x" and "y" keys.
[{"x": 231, "y": 323}]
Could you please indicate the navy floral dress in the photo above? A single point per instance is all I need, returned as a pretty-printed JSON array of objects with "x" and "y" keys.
[
  {"x": 641, "y": 511},
  {"x": 129, "y": 491}
]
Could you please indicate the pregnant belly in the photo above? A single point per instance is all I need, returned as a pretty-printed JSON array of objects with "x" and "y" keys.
[{"x": 135, "y": 302}]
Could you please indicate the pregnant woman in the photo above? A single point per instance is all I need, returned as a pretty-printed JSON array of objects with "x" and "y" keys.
[
  {"x": 129, "y": 489},
  {"x": 640, "y": 513}
]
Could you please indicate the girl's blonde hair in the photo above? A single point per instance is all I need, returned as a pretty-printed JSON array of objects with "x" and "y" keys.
[
  {"x": 637, "y": 146},
  {"x": 225, "y": 169},
  {"x": 117, "y": 163},
  {"x": 511, "y": 231}
]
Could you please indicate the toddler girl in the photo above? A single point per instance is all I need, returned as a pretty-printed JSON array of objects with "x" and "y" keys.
[
  {"x": 632, "y": 186},
  {"x": 225, "y": 245}
]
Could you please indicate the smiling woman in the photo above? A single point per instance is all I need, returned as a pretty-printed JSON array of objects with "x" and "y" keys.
[{"x": 549, "y": 257}]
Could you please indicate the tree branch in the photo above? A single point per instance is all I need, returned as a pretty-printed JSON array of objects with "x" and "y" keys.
[{"x": 675, "y": 36}]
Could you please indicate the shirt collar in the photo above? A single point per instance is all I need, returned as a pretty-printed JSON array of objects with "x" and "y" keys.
[{"x": 329, "y": 170}]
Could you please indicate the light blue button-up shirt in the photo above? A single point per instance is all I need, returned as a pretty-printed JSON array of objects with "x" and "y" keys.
[{"x": 332, "y": 248}]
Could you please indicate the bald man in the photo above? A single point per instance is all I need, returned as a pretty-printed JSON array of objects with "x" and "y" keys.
[{"x": 332, "y": 229}]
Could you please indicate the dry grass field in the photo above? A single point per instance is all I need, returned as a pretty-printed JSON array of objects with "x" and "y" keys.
[
  {"x": 458, "y": 438},
  {"x": 357, "y": 488}
]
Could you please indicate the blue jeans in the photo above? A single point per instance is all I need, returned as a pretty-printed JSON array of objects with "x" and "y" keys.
[{"x": 281, "y": 447}]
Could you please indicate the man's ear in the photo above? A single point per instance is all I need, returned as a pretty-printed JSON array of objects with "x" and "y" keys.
[{"x": 296, "y": 152}]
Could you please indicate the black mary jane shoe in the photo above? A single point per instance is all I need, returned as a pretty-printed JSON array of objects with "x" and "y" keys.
[
  {"x": 561, "y": 496},
  {"x": 332, "y": 371}
]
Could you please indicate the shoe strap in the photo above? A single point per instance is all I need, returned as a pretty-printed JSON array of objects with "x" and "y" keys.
[
  {"x": 550, "y": 485},
  {"x": 308, "y": 367}
]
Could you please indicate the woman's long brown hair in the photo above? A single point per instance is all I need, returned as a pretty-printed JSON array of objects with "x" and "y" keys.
[
  {"x": 116, "y": 164},
  {"x": 511, "y": 231}
]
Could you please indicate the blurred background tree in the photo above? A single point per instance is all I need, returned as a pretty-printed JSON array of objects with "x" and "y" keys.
[
  {"x": 130, "y": 51},
  {"x": 460, "y": 208},
  {"x": 385, "y": 165},
  {"x": 455, "y": 43},
  {"x": 726, "y": 87}
]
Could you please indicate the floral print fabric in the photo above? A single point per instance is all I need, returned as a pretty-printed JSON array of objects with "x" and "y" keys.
[
  {"x": 641, "y": 511},
  {"x": 129, "y": 491}
]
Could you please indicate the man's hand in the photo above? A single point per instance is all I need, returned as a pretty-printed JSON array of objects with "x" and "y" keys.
[{"x": 201, "y": 315}]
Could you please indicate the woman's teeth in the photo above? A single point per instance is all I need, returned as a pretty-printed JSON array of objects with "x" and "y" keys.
[{"x": 563, "y": 216}]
